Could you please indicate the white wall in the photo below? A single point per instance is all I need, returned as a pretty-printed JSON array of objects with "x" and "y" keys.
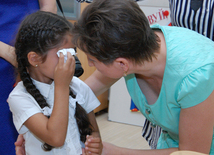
[
  {"x": 155, "y": 3},
  {"x": 119, "y": 106},
  {"x": 156, "y": 11}
]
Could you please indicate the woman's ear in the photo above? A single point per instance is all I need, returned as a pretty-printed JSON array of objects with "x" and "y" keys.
[
  {"x": 123, "y": 63},
  {"x": 33, "y": 58}
]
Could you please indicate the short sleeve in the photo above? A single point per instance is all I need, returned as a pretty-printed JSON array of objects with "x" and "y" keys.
[
  {"x": 196, "y": 86},
  {"x": 22, "y": 107},
  {"x": 90, "y": 101}
]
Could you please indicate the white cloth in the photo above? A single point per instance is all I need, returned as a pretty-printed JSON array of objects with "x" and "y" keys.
[
  {"x": 65, "y": 51},
  {"x": 23, "y": 106}
]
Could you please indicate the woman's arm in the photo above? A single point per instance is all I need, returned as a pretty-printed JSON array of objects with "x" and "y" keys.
[
  {"x": 113, "y": 149},
  {"x": 7, "y": 52},
  {"x": 99, "y": 83},
  {"x": 196, "y": 126},
  {"x": 48, "y": 5}
]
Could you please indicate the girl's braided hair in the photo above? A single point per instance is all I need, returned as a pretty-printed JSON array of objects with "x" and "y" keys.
[{"x": 40, "y": 32}]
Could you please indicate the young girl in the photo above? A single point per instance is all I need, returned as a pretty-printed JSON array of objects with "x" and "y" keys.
[{"x": 51, "y": 108}]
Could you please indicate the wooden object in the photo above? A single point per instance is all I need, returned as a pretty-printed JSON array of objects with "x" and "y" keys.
[{"x": 103, "y": 98}]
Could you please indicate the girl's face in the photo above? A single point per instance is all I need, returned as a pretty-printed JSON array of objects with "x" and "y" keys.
[
  {"x": 45, "y": 70},
  {"x": 112, "y": 70}
]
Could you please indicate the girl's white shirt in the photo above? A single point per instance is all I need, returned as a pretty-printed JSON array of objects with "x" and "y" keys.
[{"x": 23, "y": 106}]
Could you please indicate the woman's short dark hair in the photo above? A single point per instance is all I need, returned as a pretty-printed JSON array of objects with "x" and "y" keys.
[{"x": 108, "y": 29}]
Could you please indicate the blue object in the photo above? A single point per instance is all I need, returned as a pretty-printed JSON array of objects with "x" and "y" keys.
[
  {"x": 133, "y": 106},
  {"x": 12, "y": 12}
]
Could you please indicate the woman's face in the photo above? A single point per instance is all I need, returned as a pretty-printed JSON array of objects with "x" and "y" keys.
[{"x": 111, "y": 70}]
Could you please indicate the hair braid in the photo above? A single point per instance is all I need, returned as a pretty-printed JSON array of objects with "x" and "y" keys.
[
  {"x": 28, "y": 83},
  {"x": 84, "y": 125}
]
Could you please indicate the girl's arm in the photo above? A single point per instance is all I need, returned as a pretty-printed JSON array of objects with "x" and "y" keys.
[
  {"x": 53, "y": 130},
  {"x": 93, "y": 142}
]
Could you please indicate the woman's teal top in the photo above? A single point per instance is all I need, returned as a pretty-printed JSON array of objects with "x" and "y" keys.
[{"x": 188, "y": 80}]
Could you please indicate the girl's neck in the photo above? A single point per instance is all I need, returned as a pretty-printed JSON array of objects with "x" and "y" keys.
[{"x": 38, "y": 77}]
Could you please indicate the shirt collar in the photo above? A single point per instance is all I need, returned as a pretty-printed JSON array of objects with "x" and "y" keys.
[{"x": 44, "y": 88}]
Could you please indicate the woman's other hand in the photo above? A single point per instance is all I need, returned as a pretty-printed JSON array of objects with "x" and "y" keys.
[{"x": 20, "y": 145}]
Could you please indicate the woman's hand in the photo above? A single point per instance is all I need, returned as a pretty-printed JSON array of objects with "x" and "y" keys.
[
  {"x": 20, "y": 145},
  {"x": 7, "y": 52}
]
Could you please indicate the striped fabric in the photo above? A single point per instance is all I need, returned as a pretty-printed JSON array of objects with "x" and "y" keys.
[
  {"x": 87, "y": 1},
  {"x": 183, "y": 15},
  {"x": 201, "y": 20},
  {"x": 151, "y": 133}
]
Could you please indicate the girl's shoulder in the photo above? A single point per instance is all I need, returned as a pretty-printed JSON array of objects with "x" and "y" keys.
[
  {"x": 77, "y": 84},
  {"x": 18, "y": 94},
  {"x": 18, "y": 89}
]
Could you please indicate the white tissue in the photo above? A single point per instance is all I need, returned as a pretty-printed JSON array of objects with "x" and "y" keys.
[{"x": 65, "y": 51}]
